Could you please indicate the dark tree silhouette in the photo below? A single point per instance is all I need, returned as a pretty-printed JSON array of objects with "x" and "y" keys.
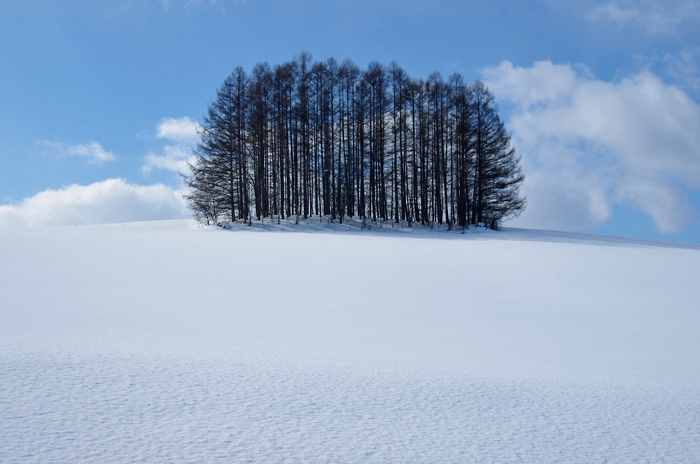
[{"x": 320, "y": 138}]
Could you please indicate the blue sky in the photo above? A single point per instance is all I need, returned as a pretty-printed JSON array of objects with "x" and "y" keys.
[{"x": 99, "y": 100}]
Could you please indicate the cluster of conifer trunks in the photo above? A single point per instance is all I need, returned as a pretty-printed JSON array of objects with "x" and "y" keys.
[{"x": 326, "y": 138}]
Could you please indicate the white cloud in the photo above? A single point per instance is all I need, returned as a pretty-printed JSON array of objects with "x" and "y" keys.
[
  {"x": 655, "y": 16},
  {"x": 182, "y": 130},
  {"x": 587, "y": 144},
  {"x": 92, "y": 151},
  {"x": 685, "y": 67},
  {"x": 175, "y": 158},
  {"x": 109, "y": 201}
]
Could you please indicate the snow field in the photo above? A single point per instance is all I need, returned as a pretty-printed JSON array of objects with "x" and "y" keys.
[
  {"x": 162, "y": 342},
  {"x": 126, "y": 409}
]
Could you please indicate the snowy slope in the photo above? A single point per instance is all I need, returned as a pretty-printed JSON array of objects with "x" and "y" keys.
[{"x": 165, "y": 342}]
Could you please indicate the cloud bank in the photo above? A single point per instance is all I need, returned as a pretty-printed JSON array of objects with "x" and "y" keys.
[
  {"x": 588, "y": 144},
  {"x": 92, "y": 151},
  {"x": 109, "y": 201}
]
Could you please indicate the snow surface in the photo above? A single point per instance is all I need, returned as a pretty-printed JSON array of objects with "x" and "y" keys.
[{"x": 165, "y": 342}]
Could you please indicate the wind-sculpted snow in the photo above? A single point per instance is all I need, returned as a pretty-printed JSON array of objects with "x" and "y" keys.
[
  {"x": 164, "y": 342},
  {"x": 136, "y": 409}
]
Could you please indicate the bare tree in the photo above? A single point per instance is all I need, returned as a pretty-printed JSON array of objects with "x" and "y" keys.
[{"x": 317, "y": 138}]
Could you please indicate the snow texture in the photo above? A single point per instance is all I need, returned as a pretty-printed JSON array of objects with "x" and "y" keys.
[{"x": 166, "y": 342}]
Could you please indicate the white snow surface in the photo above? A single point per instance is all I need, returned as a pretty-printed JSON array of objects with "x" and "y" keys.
[{"x": 166, "y": 342}]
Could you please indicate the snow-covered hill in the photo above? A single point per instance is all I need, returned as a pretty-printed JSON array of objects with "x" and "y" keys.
[{"x": 165, "y": 342}]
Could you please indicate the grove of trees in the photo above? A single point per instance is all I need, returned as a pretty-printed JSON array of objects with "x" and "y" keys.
[{"x": 325, "y": 138}]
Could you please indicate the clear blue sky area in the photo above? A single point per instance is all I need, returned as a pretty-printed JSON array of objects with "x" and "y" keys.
[{"x": 601, "y": 96}]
